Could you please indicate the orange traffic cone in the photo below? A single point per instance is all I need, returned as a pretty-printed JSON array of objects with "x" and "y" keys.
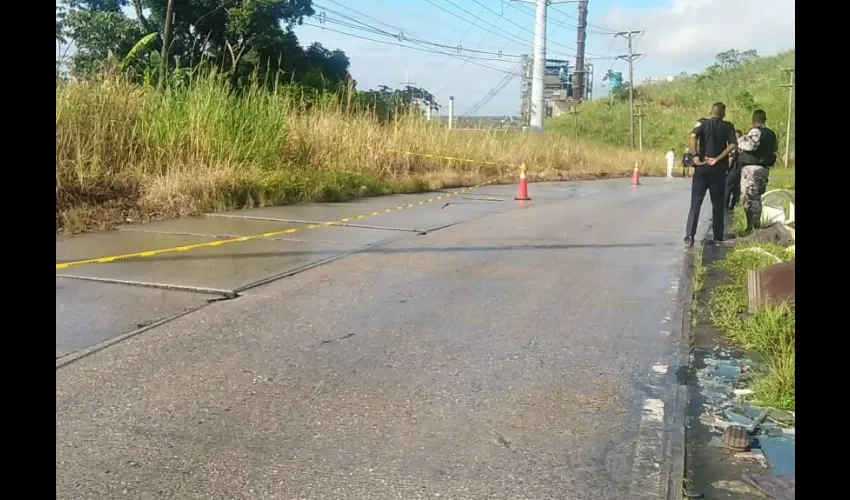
[
  {"x": 522, "y": 187},
  {"x": 635, "y": 176}
]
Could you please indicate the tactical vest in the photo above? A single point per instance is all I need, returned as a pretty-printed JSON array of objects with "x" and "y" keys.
[{"x": 765, "y": 154}]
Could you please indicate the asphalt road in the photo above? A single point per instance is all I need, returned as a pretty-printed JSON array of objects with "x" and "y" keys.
[{"x": 526, "y": 353}]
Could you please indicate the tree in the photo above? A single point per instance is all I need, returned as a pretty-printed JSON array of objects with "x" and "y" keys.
[
  {"x": 731, "y": 59},
  {"x": 621, "y": 92},
  {"x": 98, "y": 28},
  {"x": 247, "y": 39},
  {"x": 389, "y": 103},
  {"x": 60, "y": 23}
]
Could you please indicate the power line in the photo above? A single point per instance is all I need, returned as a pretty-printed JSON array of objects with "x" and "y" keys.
[
  {"x": 603, "y": 30},
  {"x": 515, "y": 37},
  {"x": 400, "y": 32},
  {"x": 492, "y": 93},
  {"x": 527, "y": 10},
  {"x": 401, "y": 37},
  {"x": 420, "y": 49}
]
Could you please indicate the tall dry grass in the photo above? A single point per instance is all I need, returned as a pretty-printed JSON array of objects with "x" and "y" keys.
[{"x": 125, "y": 152}]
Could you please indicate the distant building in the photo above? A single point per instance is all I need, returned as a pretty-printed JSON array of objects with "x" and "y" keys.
[{"x": 557, "y": 87}]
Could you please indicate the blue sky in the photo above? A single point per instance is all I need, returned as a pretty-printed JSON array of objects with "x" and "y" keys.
[{"x": 680, "y": 35}]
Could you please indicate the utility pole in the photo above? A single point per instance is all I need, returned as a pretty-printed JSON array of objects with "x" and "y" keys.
[
  {"x": 574, "y": 111},
  {"x": 639, "y": 116},
  {"x": 630, "y": 58},
  {"x": 451, "y": 111},
  {"x": 166, "y": 41},
  {"x": 790, "y": 86},
  {"x": 581, "y": 36},
  {"x": 538, "y": 99}
]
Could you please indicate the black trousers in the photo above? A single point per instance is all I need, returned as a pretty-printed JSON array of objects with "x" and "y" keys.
[
  {"x": 733, "y": 188},
  {"x": 713, "y": 180}
]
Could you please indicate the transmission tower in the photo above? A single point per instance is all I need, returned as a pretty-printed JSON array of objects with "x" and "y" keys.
[{"x": 538, "y": 100}]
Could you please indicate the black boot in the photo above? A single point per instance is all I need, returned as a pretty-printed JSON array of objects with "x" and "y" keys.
[{"x": 750, "y": 224}]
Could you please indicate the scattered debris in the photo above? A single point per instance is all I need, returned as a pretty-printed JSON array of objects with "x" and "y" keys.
[
  {"x": 736, "y": 487},
  {"x": 689, "y": 493},
  {"x": 753, "y": 456},
  {"x": 736, "y": 437},
  {"x": 348, "y": 336},
  {"x": 750, "y": 433},
  {"x": 778, "y": 488},
  {"x": 776, "y": 233}
]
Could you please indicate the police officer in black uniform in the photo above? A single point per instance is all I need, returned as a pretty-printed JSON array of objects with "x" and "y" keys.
[
  {"x": 712, "y": 139},
  {"x": 733, "y": 179}
]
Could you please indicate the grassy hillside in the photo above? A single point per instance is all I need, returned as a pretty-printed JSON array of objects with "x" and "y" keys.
[
  {"x": 127, "y": 152},
  {"x": 671, "y": 108}
]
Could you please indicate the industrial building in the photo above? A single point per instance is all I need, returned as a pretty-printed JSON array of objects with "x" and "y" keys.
[{"x": 557, "y": 87}]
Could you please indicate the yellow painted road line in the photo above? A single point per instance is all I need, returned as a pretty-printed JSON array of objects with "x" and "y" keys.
[{"x": 217, "y": 243}]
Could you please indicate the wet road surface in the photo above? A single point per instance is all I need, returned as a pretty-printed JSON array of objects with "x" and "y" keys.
[{"x": 521, "y": 351}]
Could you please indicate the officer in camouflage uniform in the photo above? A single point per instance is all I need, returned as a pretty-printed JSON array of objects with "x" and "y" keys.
[{"x": 756, "y": 154}]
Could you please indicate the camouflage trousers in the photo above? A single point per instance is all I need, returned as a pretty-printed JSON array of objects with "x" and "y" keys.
[{"x": 753, "y": 185}]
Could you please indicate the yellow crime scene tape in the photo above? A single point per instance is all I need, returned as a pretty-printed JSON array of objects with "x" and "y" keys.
[
  {"x": 218, "y": 243},
  {"x": 454, "y": 158}
]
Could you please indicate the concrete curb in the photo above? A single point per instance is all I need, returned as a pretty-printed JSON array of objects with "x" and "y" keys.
[{"x": 674, "y": 446}]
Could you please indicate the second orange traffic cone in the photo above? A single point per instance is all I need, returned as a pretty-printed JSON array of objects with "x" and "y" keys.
[
  {"x": 522, "y": 187},
  {"x": 635, "y": 176}
]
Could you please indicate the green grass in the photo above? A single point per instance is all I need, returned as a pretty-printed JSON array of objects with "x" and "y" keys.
[
  {"x": 770, "y": 332},
  {"x": 779, "y": 179},
  {"x": 672, "y": 108},
  {"x": 698, "y": 284},
  {"x": 124, "y": 151}
]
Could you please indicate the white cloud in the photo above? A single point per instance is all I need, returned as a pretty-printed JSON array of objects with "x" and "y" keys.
[{"x": 698, "y": 29}]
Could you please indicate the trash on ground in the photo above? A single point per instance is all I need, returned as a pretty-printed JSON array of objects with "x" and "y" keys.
[
  {"x": 755, "y": 455},
  {"x": 780, "y": 454},
  {"x": 736, "y": 437},
  {"x": 738, "y": 419},
  {"x": 735, "y": 487},
  {"x": 756, "y": 434},
  {"x": 691, "y": 493},
  {"x": 779, "y": 488}
]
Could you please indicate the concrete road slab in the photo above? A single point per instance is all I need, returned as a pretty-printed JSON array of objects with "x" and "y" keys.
[
  {"x": 221, "y": 270},
  {"x": 89, "y": 313},
  {"x": 510, "y": 357},
  {"x": 550, "y": 191},
  {"x": 424, "y": 217},
  {"x": 211, "y": 227},
  {"x": 92, "y": 245}
]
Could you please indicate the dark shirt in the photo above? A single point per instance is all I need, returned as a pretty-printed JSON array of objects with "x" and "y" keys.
[
  {"x": 687, "y": 160},
  {"x": 713, "y": 135}
]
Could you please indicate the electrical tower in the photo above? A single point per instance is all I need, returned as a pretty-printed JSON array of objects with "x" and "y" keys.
[
  {"x": 581, "y": 36},
  {"x": 538, "y": 100},
  {"x": 525, "y": 91},
  {"x": 630, "y": 58},
  {"x": 588, "y": 82}
]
